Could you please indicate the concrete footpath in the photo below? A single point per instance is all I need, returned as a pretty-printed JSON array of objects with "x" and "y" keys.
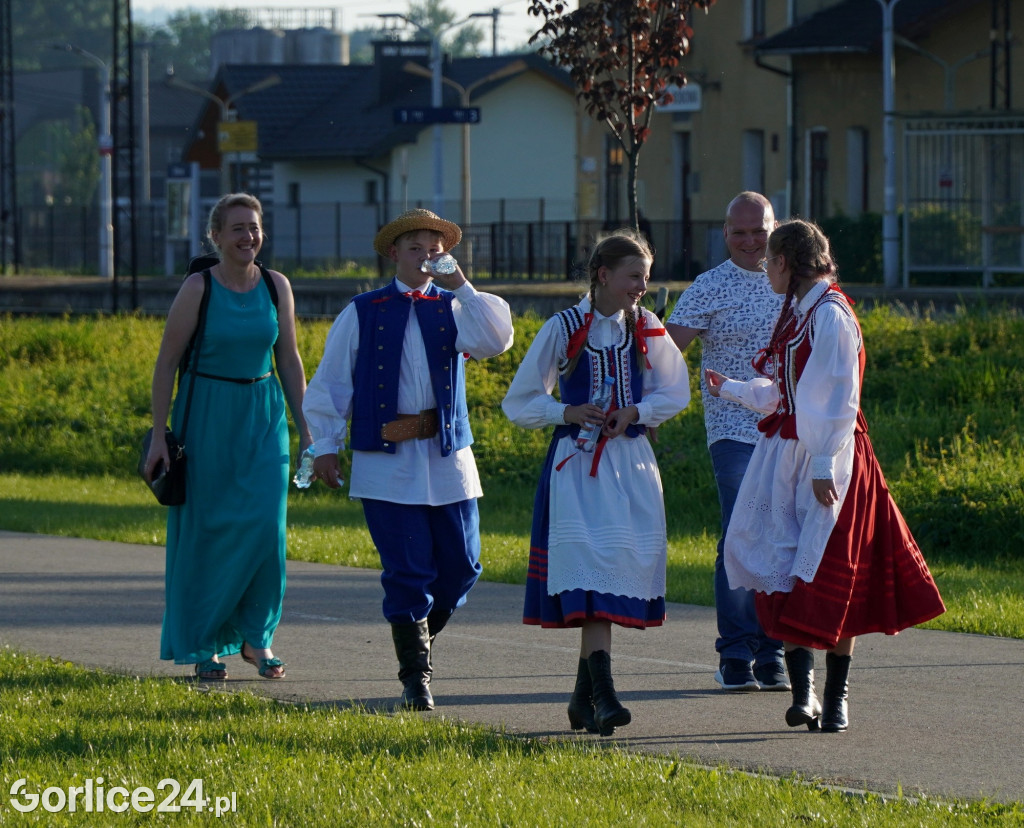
[{"x": 931, "y": 712}]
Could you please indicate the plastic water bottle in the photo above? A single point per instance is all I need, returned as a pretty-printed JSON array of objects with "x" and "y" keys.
[
  {"x": 304, "y": 474},
  {"x": 443, "y": 264},
  {"x": 602, "y": 398}
]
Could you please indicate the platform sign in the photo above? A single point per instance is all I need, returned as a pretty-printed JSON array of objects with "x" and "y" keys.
[{"x": 437, "y": 115}]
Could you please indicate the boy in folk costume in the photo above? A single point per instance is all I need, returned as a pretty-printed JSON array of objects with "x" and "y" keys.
[{"x": 394, "y": 364}]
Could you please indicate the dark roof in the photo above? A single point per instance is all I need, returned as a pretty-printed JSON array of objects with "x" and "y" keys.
[
  {"x": 855, "y": 26},
  {"x": 330, "y": 111}
]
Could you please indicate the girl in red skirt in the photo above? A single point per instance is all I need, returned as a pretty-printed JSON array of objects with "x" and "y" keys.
[{"x": 815, "y": 531}]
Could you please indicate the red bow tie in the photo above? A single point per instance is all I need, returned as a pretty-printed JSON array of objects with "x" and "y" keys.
[{"x": 415, "y": 295}]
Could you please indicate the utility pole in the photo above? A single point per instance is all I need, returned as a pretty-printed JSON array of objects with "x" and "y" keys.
[
  {"x": 890, "y": 226},
  {"x": 435, "y": 94}
]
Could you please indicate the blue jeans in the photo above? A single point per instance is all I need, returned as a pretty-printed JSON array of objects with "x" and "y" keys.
[{"x": 739, "y": 632}]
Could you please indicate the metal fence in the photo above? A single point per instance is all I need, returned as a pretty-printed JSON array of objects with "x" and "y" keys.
[
  {"x": 964, "y": 201},
  {"x": 337, "y": 237}
]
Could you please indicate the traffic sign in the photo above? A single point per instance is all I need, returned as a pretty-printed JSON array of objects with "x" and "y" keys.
[{"x": 437, "y": 115}]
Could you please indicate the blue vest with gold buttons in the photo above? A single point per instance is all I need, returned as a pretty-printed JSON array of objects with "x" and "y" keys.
[{"x": 383, "y": 315}]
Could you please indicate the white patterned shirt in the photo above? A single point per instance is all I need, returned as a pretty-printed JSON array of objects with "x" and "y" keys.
[{"x": 734, "y": 311}]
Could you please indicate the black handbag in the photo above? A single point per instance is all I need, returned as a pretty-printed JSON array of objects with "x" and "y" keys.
[{"x": 168, "y": 484}]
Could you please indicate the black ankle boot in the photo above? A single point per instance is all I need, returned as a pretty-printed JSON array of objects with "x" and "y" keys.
[
  {"x": 608, "y": 713},
  {"x": 837, "y": 674},
  {"x": 806, "y": 709},
  {"x": 412, "y": 646},
  {"x": 581, "y": 704}
]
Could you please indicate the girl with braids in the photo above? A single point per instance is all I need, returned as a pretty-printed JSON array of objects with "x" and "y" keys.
[
  {"x": 598, "y": 542},
  {"x": 815, "y": 531}
]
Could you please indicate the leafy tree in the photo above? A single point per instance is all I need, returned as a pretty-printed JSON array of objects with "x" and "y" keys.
[
  {"x": 184, "y": 39},
  {"x": 78, "y": 167},
  {"x": 434, "y": 16},
  {"x": 623, "y": 55},
  {"x": 66, "y": 155},
  {"x": 36, "y": 27}
]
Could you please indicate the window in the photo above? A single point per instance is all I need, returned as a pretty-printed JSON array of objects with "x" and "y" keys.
[
  {"x": 293, "y": 194},
  {"x": 856, "y": 170},
  {"x": 753, "y": 160},
  {"x": 817, "y": 174},
  {"x": 370, "y": 191},
  {"x": 753, "y": 19}
]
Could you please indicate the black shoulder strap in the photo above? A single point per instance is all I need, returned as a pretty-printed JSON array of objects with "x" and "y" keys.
[
  {"x": 269, "y": 280},
  {"x": 195, "y": 344},
  {"x": 197, "y": 334}
]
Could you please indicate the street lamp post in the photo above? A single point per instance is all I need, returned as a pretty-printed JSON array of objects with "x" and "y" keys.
[
  {"x": 227, "y": 114},
  {"x": 435, "y": 95},
  {"x": 465, "y": 93},
  {"x": 106, "y": 149}
]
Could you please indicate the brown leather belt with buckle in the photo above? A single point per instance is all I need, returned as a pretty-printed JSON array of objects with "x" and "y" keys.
[{"x": 420, "y": 426}]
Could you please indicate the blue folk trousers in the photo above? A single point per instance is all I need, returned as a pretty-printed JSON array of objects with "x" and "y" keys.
[{"x": 430, "y": 555}]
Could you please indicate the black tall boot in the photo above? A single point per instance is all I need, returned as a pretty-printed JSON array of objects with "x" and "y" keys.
[
  {"x": 412, "y": 646},
  {"x": 806, "y": 708},
  {"x": 436, "y": 620},
  {"x": 608, "y": 713},
  {"x": 837, "y": 673},
  {"x": 581, "y": 704}
]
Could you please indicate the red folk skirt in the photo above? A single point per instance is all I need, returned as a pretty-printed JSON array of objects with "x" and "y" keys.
[{"x": 872, "y": 577}]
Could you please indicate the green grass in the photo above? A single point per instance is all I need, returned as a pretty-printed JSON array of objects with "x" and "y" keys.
[{"x": 287, "y": 765}]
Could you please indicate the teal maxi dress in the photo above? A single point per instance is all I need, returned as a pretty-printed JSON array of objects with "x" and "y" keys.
[{"x": 225, "y": 576}]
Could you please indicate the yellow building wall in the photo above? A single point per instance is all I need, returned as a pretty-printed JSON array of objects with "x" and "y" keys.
[{"x": 830, "y": 92}]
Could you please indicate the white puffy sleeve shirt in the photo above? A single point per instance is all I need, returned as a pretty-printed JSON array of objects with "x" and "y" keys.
[
  {"x": 416, "y": 472},
  {"x": 828, "y": 393},
  {"x": 530, "y": 402}
]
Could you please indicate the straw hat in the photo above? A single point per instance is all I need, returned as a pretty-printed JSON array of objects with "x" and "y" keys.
[{"x": 418, "y": 219}]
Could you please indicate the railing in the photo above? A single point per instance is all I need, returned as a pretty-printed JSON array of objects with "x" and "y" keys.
[{"x": 327, "y": 238}]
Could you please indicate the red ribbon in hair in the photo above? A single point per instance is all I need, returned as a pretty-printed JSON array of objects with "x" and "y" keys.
[
  {"x": 643, "y": 333},
  {"x": 579, "y": 338}
]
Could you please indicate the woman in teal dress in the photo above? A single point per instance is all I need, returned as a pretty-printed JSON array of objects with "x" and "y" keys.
[{"x": 225, "y": 576}]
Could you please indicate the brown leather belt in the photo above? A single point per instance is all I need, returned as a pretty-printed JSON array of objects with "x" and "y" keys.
[{"x": 420, "y": 426}]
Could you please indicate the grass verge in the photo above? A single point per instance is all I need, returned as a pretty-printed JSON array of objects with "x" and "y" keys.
[{"x": 291, "y": 765}]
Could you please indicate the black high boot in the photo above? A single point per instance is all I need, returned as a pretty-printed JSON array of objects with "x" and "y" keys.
[
  {"x": 837, "y": 673},
  {"x": 412, "y": 646},
  {"x": 806, "y": 708},
  {"x": 608, "y": 713},
  {"x": 581, "y": 704}
]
